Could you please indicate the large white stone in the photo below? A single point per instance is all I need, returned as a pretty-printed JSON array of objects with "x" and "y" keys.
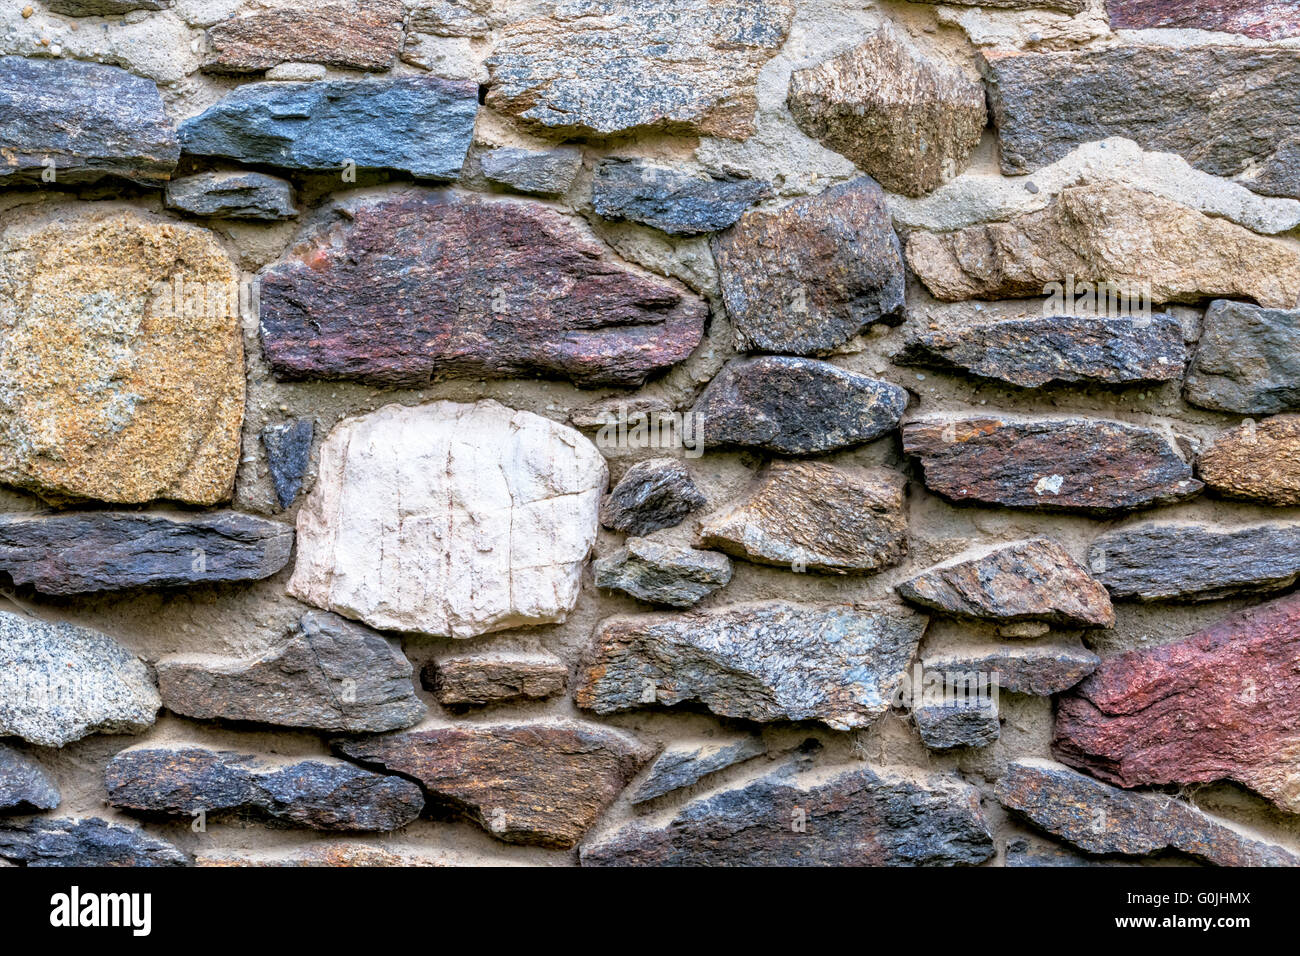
[{"x": 449, "y": 519}]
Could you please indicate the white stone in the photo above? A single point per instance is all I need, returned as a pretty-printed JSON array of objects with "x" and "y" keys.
[{"x": 449, "y": 519}]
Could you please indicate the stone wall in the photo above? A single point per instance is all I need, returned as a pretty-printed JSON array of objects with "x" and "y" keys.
[{"x": 657, "y": 431}]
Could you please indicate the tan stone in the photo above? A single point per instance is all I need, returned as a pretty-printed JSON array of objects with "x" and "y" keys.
[
  {"x": 1258, "y": 461},
  {"x": 107, "y": 390}
]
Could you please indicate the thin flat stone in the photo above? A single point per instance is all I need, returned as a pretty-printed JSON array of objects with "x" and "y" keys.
[
  {"x": 355, "y": 35},
  {"x": 661, "y": 573},
  {"x": 678, "y": 203},
  {"x": 226, "y": 195},
  {"x": 41, "y": 841},
  {"x": 1038, "y": 670},
  {"x": 476, "y": 680},
  {"x": 684, "y": 766},
  {"x": 1261, "y": 19},
  {"x": 544, "y": 172}
]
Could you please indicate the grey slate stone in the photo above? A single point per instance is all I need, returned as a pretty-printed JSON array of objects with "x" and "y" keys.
[
  {"x": 40, "y": 841},
  {"x": 651, "y": 495},
  {"x": 1037, "y": 670},
  {"x": 966, "y": 722},
  {"x": 675, "y": 202},
  {"x": 25, "y": 783},
  {"x": 1247, "y": 361},
  {"x": 232, "y": 195},
  {"x": 662, "y": 573},
  {"x": 288, "y": 453},
  {"x": 680, "y": 767},
  {"x": 542, "y": 172}
]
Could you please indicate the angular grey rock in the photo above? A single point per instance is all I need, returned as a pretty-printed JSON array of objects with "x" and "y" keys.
[
  {"x": 861, "y": 817},
  {"x": 966, "y": 722},
  {"x": 450, "y": 18},
  {"x": 24, "y": 783},
  {"x": 330, "y": 674},
  {"x": 103, "y": 8},
  {"x": 653, "y": 494},
  {"x": 685, "y": 766},
  {"x": 543, "y": 172},
  {"x": 59, "y": 683},
  {"x": 419, "y": 125},
  {"x": 40, "y": 841},
  {"x": 288, "y": 453},
  {"x": 675, "y": 202},
  {"x": 232, "y": 195},
  {"x": 1040, "y": 671},
  {"x": 1021, "y": 852},
  {"x": 87, "y": 119},
  {"x": 1192, "y": 562},
  {"x": 1247, "y": 360},
  {"x": 662, "y": 573},
  {"x": 81, "y": 552},
  {"x": 475, "y": 680},
  {"x": 840, "y": 664}
]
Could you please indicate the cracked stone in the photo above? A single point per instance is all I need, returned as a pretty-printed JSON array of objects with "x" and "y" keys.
[
  {"x": 1256, "y": 461},
  {"x": 681, "y": 767},
  {"x": 548, "y": 172},
  {"x": 1040, "y": 670},
  {"x": 675, "y": 202},
  {"x": 357, "y": 35},
  {"x": 662, "y": 573},
  {"x": 651, "y": 495},
  {"x": 476, "y": 680},
  {"x": 227, "y": 195},
  {"x": 1245, "y": 361},
  {"x": 288, "y": 453},
  {"x": 25, "y": 784},
  {"x": 41, "y": 841}
]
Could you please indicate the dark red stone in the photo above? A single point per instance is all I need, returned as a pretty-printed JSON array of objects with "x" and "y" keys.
[{"x": 1262, "y": 19}]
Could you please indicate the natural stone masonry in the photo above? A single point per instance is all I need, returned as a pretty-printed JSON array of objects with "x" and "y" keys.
[
  {"x": 795, "y": 406},
  {"x": 24, "y": 783},
  {"x": 356, "y": 35},
  {"x": 682, "y": 767},
  {"x": 87, "y": 120},
  {"x": 418, "y": 125},
  {"x": 59, "y": 683},
  {"x": 969, "y": 722},
  {"x": 678, "y": 66},
  {"x": 1034, "y": 580},
  {"x": 319, "y": 794},
  {"x": 1221, "y": 704},
  {"x": 1268, "y": 20},
  {"x": 496, "y": 516},
  {"x": 495, "y": 678},
  {"x": 329, "y": 674},
  {"x": 40, "y": 841},
  {"x": 1065, "y": 6},
  {"x": 450, "y": 18},
  {"x": 1108, "y": 232},
  {"x": 288, "y": 453},
  {"x": 653, "y": 494},
  {"x": 425, "y": 284},
  {"x": 87, "y": 551},
  {"x": 1038, "y": 670},
  {"x": 539, "y": 783},
  {"x": 103, "y": 8},
  {"x": 544, "y": 172},
  {"x": 813, "y": 274},
  {"x": 661, "y": 573},
  {"x": 909, "y": 121},
  {"x": 1226, "y": 109},
  {"x": 88, "y": 411},
  {"x": 1036, "y": 351},
  {"x": 1246, "y": 360},
  {"x": 1101, "y": 819},
  {"x": 770, "y": 661},
  {"x": 322, "y": 853},
  {"x": 810, "y": 516},
  {"x": 226, "y": 195},
  {"x": 1256, "y": 461},
  {"x": 862, "y": 817},
  {"x": 1094, "y": 467},
  {"x": 680, "y": 204}
]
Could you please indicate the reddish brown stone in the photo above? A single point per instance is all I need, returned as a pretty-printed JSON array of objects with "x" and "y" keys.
[
  {"x": 1222, "y": 704},
  {"x": 356, "y": 35},
  {"x": 1256, "y": 461},
  {"x": 478, "y": 679},
  {"x": 1262, "y": 19}
]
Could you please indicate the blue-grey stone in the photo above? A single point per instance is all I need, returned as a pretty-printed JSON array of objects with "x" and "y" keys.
[
  {"x": 232, "y": 195},
  {"x": 680, "y": 767},
  {"x": 288, "y": 451},
  {"x": 94, "y": 842},
  {"x": 675, "y": 202},
  {"x": 663, "y": 573},
  {"x": 543, "y": 172},
  {"x": 25, "y": 783},
  {"x": 963, "y": 722}
]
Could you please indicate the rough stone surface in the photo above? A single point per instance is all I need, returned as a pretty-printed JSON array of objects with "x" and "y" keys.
[
  {"x": 329, "y": 674},
  {"x": 811, "y": 516},
  {"x": 545, "y": 172},
  {"x": 652, "y": 494},
  {"x": 863, "y": 817},
  {"x": 1035, "y": 580},
  {"x": 600, "y": 67},
  {"x": 908, "y": 120},
  {"x": 25, "y": 784},
  {"x": 88, "y": 119},
  {"x": 427, "y": 284},
  {"x": 1247, "y": 360},
  {"x": 1101, "y": 819},
  {"x": 1039, "y": 670},
  {"x": 678, "y": 203},
  {"x": 59, "y": 683},
  {"x": 450, "y": 18},
  {"x": 535, "y": 783},
  {"x": 420, "y": 125},
  {"x": 496, "y": 518},
  {"x": 288, "y": 453},
  {"x": 1256, "y": 461},
  {"x": 681, "y": 767},
  {"x": 87, "y": 411},
  {"x": 663, "y": 573},
  {"x": 41, "y": 841},
  {"x": 501, "y": 677},
  {"x": 1095, "y": 467},
  {"x": 1021, "y": 852},
  {"x": 969, "y": 722},
  {"x": 1036, "y": 351},
  {"x": 102, "y": 8},
  {"x": 356, "y": 35},
  {"x": 1218, "y": 705},
  {"x": 768, "y": 661},
  {"x": 1261, "y": 19},
  {"x": 227, "y": 195},
  {"x": 796, "y": 406},
  {"x": 1065, "y": 6},
  {"x": 85, "y": 551},
  {"x": 813, "y": 274},
  {"x": 1108, "y": 232}
]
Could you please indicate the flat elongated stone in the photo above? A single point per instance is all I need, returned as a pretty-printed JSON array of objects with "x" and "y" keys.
[
  {"x": 685, "y": 766},
  {"x": 495, "y": 678},
  {"x": 1108, "y": 232},
  {"x": 329, "y": 674},
  {"x": 811, "y": 516},
  {"x": 1246, "y": 360},
  {"x": 82, "y": 552},
  {"x": 1262, "y": 19},
  {"x": 813, "y": 274},
  {"x": 678, "y": 203},
  {"x": 860, "y": 817},
  {"x": 226, "y": 195},
  {"x": 769, "y": 661},
  {"x": 25, "y": 783},
  {"x": 1041, "y": 671},
  {"x": 1256, "y": 461},
  {"x": 288, "y": 453},
  {"x": 450, "y": 18},
  {"x": 41, "y": 841},
  {"x": 1226, "y": 109},
  {"x": 103, "y": 8},
  {"x": 496, "y": 516},
  {"x": 331, "y": 853},
  {"x": 420, "y": 125},
  {"x": 1065, "y": 6},
  {"x": 427, "y": 284},
  {"x": 1034, "y": 580},
  {"x": 59, "y": 683},
  {"x": 653, "y": 494},
  {"x": 908, "y": 120},
  {"x": 86, "y": 120},
  {"x": 1221, "y": 704},
  {"x": 1101, "y": 819},
  {"x": 1022, "y": 852},
  {"x": 537, "y": 783},
  {"x": 662, "y": 573},
  {"x": 960, "y": 723},
  {"x": 1096, "y": 467},
  {"x": 91, "y": 411},
  {"x": 598, "y": 67},
  {"x": 356, "y": 35},
  {"x": 795, "y": 406},
  {"x": 1037, "y": 351},
  {"x": 546, "y": 172}
]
